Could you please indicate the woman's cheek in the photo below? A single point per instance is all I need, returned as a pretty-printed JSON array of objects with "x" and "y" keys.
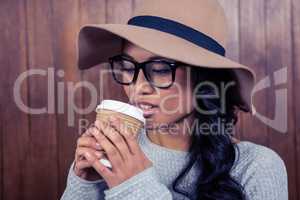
[
  {"x": 176, "y": 104},
  {"x": 168, "y": 111},
  {"x": 170, "y": 106}
]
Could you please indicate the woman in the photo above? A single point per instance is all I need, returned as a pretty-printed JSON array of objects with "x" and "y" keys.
[{"x": 190, "y": 94}]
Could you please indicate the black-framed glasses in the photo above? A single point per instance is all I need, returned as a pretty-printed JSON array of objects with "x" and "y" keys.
[{"x": 159, "y": 73}]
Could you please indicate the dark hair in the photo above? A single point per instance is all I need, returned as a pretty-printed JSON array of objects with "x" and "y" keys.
[{"x": 214, "y": 154}]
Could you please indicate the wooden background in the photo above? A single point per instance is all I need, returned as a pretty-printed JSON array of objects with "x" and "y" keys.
[{"x": 36, "y": 150}]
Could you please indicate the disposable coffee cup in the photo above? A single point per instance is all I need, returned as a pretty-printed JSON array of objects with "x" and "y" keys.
[{"x": 131, "y": 118}]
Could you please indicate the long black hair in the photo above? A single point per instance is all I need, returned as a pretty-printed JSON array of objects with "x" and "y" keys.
[{"x": 214, "y": 153}]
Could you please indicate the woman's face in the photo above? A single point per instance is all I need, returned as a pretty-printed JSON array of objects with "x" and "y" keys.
[{"x": 171, "y": 104}]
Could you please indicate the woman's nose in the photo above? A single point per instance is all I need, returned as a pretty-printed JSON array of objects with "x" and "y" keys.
[{"x": 142, "y": 86}]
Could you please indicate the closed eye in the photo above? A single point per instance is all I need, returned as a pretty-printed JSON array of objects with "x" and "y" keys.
[
  {"x": 129, "y": 70},
  {"x": 162, "y": 71}
]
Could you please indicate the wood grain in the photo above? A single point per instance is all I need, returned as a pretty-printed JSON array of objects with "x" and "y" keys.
[
  {"x": 15, "y": 123},
  {"x": 1, "y": 147},
  {"x": 69, "y": 93},
  {"x": 279, "y": 56},
  {"x": 42, "y": 148},
  {"x": 295, "y": 93},
  {"x": 253, "y": 54},
  {"x": 2, "y": 82},
  {"x": 1, "y": 126}
]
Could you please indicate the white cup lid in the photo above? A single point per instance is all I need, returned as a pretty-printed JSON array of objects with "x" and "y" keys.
[{"x": 122, "y": 107}]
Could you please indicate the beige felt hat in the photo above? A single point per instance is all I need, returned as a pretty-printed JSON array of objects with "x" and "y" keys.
[{"x": 189, "y": 31}]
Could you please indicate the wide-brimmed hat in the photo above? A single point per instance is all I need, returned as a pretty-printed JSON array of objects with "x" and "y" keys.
[{"x": 190, "y": 31}]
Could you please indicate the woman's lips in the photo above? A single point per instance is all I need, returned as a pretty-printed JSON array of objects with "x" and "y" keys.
[
  {"x": 149, "y": 112},
  {"x": 148, "y": 109}
]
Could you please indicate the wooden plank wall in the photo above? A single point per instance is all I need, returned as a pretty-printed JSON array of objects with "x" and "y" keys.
[
  {"x": 16, "y": 124},
  {"x": 36, "y": 150},
  {"x": 296, "y": 82}
]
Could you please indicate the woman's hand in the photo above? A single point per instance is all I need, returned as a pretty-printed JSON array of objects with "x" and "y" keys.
[
  {"x": 87, "y": 144},
  {"x": 122, "y": 150}
]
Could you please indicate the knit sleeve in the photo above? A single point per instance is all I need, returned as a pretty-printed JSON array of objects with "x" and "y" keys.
[
  {"x": 79, "y": 189},
  {"x": 267, "y": 178},
  {"x": 143, "y": 186}
]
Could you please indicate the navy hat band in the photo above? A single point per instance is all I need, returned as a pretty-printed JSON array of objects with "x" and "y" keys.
[{"x": 179, "y": 30}]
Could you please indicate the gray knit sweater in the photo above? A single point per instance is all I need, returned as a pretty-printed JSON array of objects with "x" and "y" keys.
[{"x": 259, "y": 170}]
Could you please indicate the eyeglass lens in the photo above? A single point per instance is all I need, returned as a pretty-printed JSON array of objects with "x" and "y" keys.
[{"x": 159, "y": 73}]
